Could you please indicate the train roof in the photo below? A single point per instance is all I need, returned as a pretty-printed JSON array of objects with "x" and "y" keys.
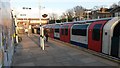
[
  {"x": 84, "y": 21},
  {"x": 89, "y": 21}
]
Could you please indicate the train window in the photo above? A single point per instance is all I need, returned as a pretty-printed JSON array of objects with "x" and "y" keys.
[
  {"x": 96, "y": 32},
  {"x": 116, "y": 32},
  {"x": 66, "y": 30},
  {"x": 79, "y": 30},
  {"x": 57, "y": 28}
]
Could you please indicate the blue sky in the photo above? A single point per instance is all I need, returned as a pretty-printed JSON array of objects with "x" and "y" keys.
[{"x": 61, "y": 5}]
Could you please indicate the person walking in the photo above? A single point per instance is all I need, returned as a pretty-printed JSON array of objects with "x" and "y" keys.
[{"x": 46, "y": 35}]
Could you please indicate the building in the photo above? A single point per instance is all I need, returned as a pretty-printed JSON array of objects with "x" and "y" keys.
[
  {"x": 28, "y": 18},
  {"x": 87, "y": 15},
  {"x": 101, "y": 13},
  {"x": 116, "y": 11}
]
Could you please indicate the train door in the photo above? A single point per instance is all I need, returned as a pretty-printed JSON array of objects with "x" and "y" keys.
[
  {"x": 69, "y": 32},
  {"x": 67, "y": 37},
  {"x": 115, "y": 42},
  {"x": 62, "y": 33},
  {"x": 95, "y": 36}
]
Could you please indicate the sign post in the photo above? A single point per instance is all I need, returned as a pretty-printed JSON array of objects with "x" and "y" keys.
[
  {"x": 42, "y": 38},
  {"x": 41, "y": 30}
]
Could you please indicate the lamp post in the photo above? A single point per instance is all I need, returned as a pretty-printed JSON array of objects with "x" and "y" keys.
[{"x": 41, "y": 30}]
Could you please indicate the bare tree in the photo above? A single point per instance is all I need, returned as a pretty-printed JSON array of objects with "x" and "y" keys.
[
  {"x": 70, "y": 13},
  {"x": 75, "y": 12},
  {"x": 53, "y": 16},
  {"x": 79, "y": 10}
]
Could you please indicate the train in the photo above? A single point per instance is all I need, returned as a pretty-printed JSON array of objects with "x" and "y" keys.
[
  {"x": 100, "y": 35},
  {"x": 7, "y": 32}
]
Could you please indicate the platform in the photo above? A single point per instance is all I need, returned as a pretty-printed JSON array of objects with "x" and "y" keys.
[{"x": 28, "y": 53}]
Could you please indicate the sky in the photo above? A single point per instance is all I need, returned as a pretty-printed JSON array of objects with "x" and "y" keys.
[{"x": 60, "y": 6}]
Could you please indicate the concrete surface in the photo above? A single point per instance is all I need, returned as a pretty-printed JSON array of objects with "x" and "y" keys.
[{"x": 55, "y": 54}]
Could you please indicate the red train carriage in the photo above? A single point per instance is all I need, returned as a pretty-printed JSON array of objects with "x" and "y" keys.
[
  {"x": 65, "y": 32},
  {"x": 95, "y": 35}
]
